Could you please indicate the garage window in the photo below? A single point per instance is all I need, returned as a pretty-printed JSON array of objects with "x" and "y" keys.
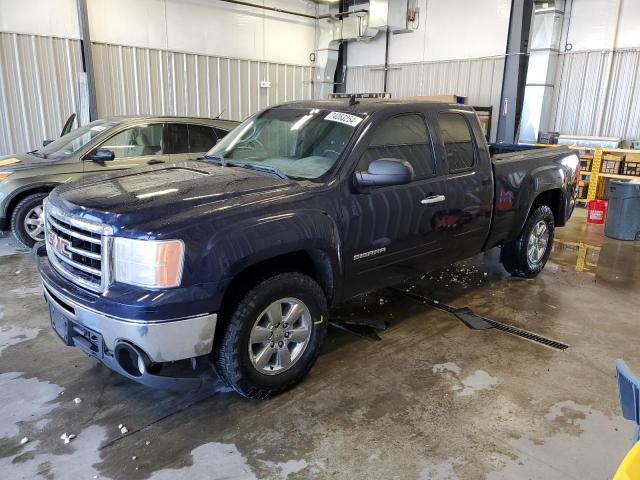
[
  {"x": 136, "y": 141},
  {"x": 404, "y": 137},
  {"x": 458, "y": 144}
]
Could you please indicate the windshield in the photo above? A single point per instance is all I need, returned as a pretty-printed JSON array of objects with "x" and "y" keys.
[
  {"x": 74, "y": 140},
  {"x": 301, "y": 143}
]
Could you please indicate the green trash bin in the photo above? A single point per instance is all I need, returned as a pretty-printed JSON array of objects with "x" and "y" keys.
[{"x": 623, "y": 217}]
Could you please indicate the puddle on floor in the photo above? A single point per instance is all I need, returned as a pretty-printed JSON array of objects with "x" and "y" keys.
[
  {"x": 614, "y": 261},
  {"x": 24, "y": 400},
  {"x": 583, "y": 444}
]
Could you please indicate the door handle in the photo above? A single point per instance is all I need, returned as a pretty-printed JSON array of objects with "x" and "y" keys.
[{"x": 433, "y": 199}]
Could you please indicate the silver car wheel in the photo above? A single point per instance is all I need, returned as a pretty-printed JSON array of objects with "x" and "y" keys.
[
  {"x": 538, "y": 242},
  {"x": 280, "y": 336},
  {"x": 34, "y": 223}
]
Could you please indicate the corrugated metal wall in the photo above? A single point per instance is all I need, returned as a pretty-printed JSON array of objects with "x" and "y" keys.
[
  {"x": 39, "y": 85},
  {"x": 581, "y": 87},
  {"x": 480, "y": 79},
  {"x": 132, "y": 80},
  {"x": 38, "y": 88}
]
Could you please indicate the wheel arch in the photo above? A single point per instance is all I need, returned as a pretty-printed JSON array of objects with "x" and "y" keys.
[
  {"x": 23, "y": 193},
  {"x": 314, "y": 262}
]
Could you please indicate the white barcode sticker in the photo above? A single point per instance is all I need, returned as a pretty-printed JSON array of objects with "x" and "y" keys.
[{"x": 345, "y": 118}]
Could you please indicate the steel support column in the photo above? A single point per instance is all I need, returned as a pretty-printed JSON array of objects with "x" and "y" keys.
[
  {"x": 515, "y": 71},
  {"x": 87, "y": 61}
]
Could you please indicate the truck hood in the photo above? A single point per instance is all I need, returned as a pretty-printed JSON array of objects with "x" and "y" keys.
[{"x": 149, "y": 198}]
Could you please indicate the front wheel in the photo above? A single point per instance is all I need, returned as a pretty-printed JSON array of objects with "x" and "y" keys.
[
  {"x": 273, "y": 337},
  {"x": 527, "y": 255},
  {"x": 27, "y": 221}
]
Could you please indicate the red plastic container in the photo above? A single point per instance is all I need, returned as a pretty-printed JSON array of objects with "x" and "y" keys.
[{"x": 597, "y": 211}]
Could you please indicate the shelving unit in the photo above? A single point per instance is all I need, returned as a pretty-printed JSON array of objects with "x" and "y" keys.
[{"x": 595, "y": 175}]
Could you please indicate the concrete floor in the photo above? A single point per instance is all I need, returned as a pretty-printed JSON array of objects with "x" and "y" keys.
[{"x": 432, "y": 400}]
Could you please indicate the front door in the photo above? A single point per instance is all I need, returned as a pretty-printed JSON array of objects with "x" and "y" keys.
[
  {"x": 392, "y": 232},
  {"x": 135, "y": 146}
]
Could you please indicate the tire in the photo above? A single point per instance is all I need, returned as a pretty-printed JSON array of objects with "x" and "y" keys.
[
  {"x": 521, "y": 257},
  {"x": 26, "y": 207},
  {"x": 236, "y": 353}
]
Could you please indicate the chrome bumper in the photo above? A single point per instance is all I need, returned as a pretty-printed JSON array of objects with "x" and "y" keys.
[{"x": 164, "y": 341}]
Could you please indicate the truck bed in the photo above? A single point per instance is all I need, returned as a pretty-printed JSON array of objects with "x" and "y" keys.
[
  {"x": 499, "y": 151},
  {"x": 520, "y": 171}
]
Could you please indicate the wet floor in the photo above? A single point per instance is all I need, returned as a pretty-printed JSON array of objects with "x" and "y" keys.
[{"x": 432, "y": 399}]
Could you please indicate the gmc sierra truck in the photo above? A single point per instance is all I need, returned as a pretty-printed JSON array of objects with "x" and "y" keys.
[{"x": 237, "y": 258}]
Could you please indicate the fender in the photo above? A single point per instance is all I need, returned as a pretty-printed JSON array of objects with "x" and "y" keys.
[
  {"x": 36, "y": 187},
  {"x": 230, "y": 251},
  {"x": 537, "y": 181}
]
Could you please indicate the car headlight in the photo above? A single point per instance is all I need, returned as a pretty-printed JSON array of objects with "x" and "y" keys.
[
  {"x": 148, "y": 263},
  {"x": 4, "y": 175}
]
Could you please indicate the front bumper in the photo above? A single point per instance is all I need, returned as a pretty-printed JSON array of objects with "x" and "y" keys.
[{"x": 99, "y": 334}]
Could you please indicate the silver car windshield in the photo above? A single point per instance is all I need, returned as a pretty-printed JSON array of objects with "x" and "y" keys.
[
  {"x": 300, "y": 143},
  {"x": 73, "y": 141}
]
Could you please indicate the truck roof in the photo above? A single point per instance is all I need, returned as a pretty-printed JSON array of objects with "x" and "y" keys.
[{"x": 369, "y": 106}]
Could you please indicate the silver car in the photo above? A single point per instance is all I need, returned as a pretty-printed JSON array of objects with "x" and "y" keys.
[{"x": 101, "y": 146}]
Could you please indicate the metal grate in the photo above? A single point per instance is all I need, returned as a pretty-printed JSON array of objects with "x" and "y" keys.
[
  {"x": 77, "y": 248},
  {"x": 504, "y": 327}
]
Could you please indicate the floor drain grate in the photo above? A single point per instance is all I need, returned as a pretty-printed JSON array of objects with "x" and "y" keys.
[{"x": 477, "y": 322}]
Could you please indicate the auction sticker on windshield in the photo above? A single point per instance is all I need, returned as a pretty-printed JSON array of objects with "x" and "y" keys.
[{"x": 345, "y": 118}]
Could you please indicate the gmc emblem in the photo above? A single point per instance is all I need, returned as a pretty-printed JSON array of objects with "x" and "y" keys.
[{"x": 58, "y": 244}]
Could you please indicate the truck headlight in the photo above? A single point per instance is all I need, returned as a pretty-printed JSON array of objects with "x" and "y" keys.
[{"x": 148, "y": 263}]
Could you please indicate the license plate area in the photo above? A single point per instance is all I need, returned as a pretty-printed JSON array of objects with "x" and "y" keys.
[{"x": 74, "y": 334}]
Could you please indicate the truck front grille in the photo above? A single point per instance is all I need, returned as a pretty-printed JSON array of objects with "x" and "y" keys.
[{"x": 77, "y": 249}]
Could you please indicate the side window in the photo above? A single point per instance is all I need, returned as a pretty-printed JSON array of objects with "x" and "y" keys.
[
  {"x": 458, "y": 144},
  {"x": 201, "y": 138},
  {"x": 404, "y": 137},
  {"x": 177, "y": 138},
  {"x": 136, "y": 141},
  {"x": 220, "y": 133}
]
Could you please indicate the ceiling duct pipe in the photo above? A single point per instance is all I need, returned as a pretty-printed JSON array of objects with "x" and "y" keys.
[{"x": 361, "y": 23}]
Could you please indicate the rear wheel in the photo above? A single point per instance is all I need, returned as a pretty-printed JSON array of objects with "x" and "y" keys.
[
  {"x": 527, "y": 255},
  {"x": 27, "y": 221},
  {"x": 273, "y": 337}
]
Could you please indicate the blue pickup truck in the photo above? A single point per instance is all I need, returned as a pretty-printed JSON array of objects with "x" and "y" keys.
[{"x": 235, "y": 260}]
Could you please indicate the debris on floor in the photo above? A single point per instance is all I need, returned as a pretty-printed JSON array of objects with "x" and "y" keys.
[
  {"x": 67, "y": 437},
  {"x": 24, "y": 440},
  {"x": 77, "y": 400},
  {"x": 123, "y": 429}
]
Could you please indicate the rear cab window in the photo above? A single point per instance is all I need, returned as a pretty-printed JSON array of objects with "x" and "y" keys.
[
  {"x": 460, "y": 152},
  {"x": 404, "y": 137}
]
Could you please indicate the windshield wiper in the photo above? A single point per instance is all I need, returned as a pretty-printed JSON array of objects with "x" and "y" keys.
[
  {"x": 219, "y": 159},
  {"x": 262, "y": 168},
  {"x": 36, "y": 153}
]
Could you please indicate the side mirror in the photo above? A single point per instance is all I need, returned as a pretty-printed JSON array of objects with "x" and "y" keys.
[
  {"x": 46, "y": 142},
  {"x": 102, "y": 155},
  {"x": 385, "y": 171}
]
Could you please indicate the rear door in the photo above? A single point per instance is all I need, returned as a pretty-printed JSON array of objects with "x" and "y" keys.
[
  {"x": 469, "y": 183},
  {"x": 201, "y": 139},
  {"x": 188, "y": 141},
  {"x": 134, "y": 146},
  {"x": 391, "y": 232}
]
